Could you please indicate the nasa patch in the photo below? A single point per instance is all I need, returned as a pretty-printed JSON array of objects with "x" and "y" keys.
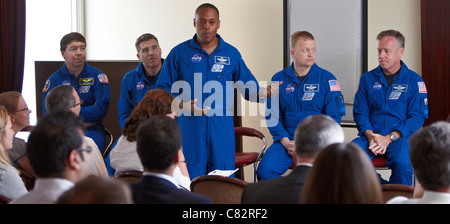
[
  {"x": 196, "y": 58},
  {"x": 376, "y": 86},
  {"x": 140, "y": 85},
  {"x": 290, "y": 88}
]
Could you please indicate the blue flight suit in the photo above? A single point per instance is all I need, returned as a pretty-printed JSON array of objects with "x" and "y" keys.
[
  {"x": 93, "y": 88},
  {"x": 318, "y": 93},
  {"x": 189, "y": 73},
  {"x": 135, "y": 85},
  {"x": 402, "y": 106}
]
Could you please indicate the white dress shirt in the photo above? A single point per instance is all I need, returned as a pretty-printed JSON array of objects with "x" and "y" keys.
[
  {"x": 45, "y": 191},
  {"x": 429, "y": 197}
]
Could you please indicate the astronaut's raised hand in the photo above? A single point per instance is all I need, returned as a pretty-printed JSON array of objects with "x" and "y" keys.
[
  {"x": 271, "y": 90},
  {"x": 188, "y": 108}
]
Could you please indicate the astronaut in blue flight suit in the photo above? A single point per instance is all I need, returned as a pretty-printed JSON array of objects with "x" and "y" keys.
[
  {"x": 138, "y": 81},
  {"x": 390, "y": 105},
  {"x": 208, "y": 65},
  {"x": 91, "y": 84},
  {"x": 307, "y": 89}
]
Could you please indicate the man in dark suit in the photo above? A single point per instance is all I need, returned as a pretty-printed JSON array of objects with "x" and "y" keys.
[
  {"x": 312, "y": 135},
  {"x": 158, "y": 145}
]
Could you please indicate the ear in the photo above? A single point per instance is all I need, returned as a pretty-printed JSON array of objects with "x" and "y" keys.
[
  {"x": 401, "y": 50},
  {"x": 195, "y": 25},
  {"x": 62, "y": 54},
  {"x": 292, "y": 53},
  {"x": 176, "y": 158},
  {"x": 12, "y": 118},
  {"x": 73, "y": 161},
  {"x": 138, "y": 56}
]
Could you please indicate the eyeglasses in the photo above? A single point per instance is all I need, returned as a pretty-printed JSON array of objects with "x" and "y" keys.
[
  {"x": 88, "y": 149},
  {"x": 24, "y": 109},
  {"x": 79, "y": 103}
]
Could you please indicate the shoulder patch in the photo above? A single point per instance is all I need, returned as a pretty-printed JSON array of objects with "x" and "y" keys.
[
  {"x": 102, "y": 78},
  {"x": 422, "y": 87},
  {"x": 334, "y": 85},
  {"x": 47, "y": 84}
]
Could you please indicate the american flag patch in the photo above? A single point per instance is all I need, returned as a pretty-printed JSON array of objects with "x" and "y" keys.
[
  {"x": 422, "y": 87},
  {"x": 102, "y": 78},
  {"x": 334, "y": 85}
]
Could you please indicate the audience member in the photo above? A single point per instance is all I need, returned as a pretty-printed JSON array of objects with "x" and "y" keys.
[
  {"x": 20, "y": 118},
  {"x": 138, "y": 81},
  {"x": 158, "y": 146},
  {"x": 124, "y": 156},
  {"x": 97, "y": 190},
  {"x": 58, "y": 155},
  {"x": 11, "y": 185},
  {"x": 342, "y": 174},
  {"x": 313, "y": 134},
  {"x": 430, "y": 159},
  {"x": 63, "y": 98}
]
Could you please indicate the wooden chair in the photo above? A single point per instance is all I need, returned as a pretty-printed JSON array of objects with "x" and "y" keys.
[
  {"x": 221, "y": 190},
  {"x": 393, "y": 190},
  {"x": 107, "y": 148},
  {"x": 246, "y": 158},
  {"x": 4, "y": 200},
  {"x": 27, "y": 178},
  {"x": 130, "y": 176}
]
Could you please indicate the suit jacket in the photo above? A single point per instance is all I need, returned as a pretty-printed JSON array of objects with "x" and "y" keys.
[
  {"x": 154, "y": 190},
  {"x": 281, "y": 190}
]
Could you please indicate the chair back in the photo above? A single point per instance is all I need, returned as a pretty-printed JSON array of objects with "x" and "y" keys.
[
  {"x": 393, "y": 190},
  {"x": 107, "y": 148},
  {"x": 246, "y": 158},
  {"x": 27, "y": 178},
  {"x": 220, "y": 189},
  {"x": 130, "y": 176}
]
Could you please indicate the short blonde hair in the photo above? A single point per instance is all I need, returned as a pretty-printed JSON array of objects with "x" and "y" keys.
[{"x": 305, "y": 35}]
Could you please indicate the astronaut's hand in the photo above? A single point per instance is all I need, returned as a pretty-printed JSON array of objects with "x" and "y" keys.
[
  {"x": 288, "y": 145},
  {"x": 379, "y": 143},
  {"x": 190, "y": 108},
  {"x": 270, "y": 91}
]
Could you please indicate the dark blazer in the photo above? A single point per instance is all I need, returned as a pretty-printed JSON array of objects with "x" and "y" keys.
[
  {"x": 281, "y": 190},
  {"x": 154, "y": 190}
]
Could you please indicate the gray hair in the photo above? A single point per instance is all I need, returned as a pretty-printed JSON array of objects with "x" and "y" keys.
[
  {"x": 316, "y": 132},
  {"x": 393, "y": 33},
  {"x": 430, "y": 155},
  {"x": 60, "y": 98}
]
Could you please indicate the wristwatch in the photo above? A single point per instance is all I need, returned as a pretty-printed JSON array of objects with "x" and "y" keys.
[{"x": 393, "y": 137}]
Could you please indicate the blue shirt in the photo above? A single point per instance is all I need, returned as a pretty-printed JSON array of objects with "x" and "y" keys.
[
  {"x": 318, "y": 93},
  {"x": 402, "y": 106},
  {"x": 135, "y": 85},
  {"x": 194, "y": 67},
  {"x": 92, "y": 86}
]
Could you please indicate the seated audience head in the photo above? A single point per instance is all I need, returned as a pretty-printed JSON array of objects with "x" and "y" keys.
[
  {"x": 342, "y": 174},
  {"x": 62, "y": 98},
  {"x": 17, "y": 108},
  {"x": 158, "y": 142},
  {"x": 155, "y": 102},
  {"x": 56, "y": 147},
  {"x": 314, "y": 133},
  {"x": 97, "y": 190},
  {"x": 6, "y": 136},
  {"x": 430, "y": 156}
]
